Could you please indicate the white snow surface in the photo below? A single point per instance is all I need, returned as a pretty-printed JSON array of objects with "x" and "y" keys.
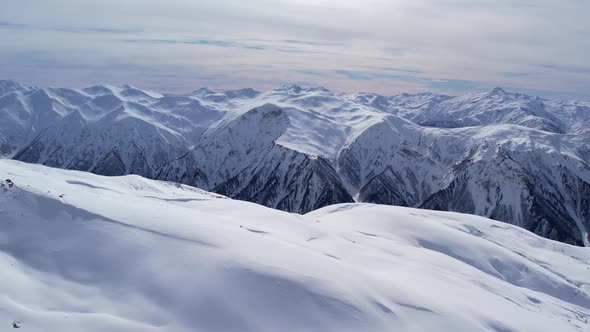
[
  {"x": 403, "y": 149},
  {"x": 321, "y": 122},
  {"x": 82, "y": 252}
]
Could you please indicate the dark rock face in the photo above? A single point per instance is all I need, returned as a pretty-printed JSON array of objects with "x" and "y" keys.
[
  {"x": 385, "y": 188},
  {"x": 552, "y": 207},
  {"x": 546, "y": 194},
  {"x": 287, "y": 180},
  {"x": 233, "y": 162},
  {"x": 110, "y": 165}
]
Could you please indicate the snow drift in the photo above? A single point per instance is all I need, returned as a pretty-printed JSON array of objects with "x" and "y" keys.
[{"x": 82, "y": 252}]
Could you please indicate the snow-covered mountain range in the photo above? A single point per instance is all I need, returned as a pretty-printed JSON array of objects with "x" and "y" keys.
[
  {"x": 82, "y": 252},
  {"x": 510, "y": 157}
]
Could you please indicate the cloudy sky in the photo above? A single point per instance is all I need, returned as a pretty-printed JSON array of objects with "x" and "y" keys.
[{"x": 540, "y": 47}]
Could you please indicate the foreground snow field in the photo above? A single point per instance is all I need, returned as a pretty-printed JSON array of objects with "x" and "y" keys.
[{"x": 81, "y": 252}]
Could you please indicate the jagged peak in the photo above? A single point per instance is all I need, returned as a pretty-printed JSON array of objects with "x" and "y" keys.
[
  {"x": 498, "y": 90},
  {"x": 425, "y": 94},
  {"x": 501, "y": 92},
  {"x": 265, "y": 113},
  {"x": 482, "y": 95},
  {"x": 242, "y": 93},
  {"x": 98, "y": 90},
  {"x": 296, "y": 89},
  {"x": 128, "y": 87},
  {"x": 10, "y": 85},
  {"x": 266, "y": 108},
  {"x": 41, "y": 94},
  {"x": 318, "y": 89},
  {"x": 292, "y": 88},
  {"x": 366, "y": 95},
  {"x": 203, "y": 91},
  {"x": 130, "y": 91},
  {"x": 125, "y": 90}
]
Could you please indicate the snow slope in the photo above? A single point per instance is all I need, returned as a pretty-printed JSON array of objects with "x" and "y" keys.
[
  {"x": 82, "y": 252},
  {"x": 506, "y": 156}
]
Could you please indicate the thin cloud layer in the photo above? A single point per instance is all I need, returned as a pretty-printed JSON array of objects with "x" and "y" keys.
[{"x": 386, "y": 46}]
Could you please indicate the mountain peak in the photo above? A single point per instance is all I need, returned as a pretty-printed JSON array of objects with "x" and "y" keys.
[
  {"x": 8, "y": 85},
  {"x": 128, "y": 87},
  {"x": 498, "y": 91},
  {"x": 242, "y": 93},
  {"x": 293, "y": 88},
  {"x": 296, "y": 89},
  {"x": 202, "y": 91}
]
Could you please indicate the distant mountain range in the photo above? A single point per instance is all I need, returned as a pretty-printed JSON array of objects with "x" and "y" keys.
[{"x": 510, "y": 157}]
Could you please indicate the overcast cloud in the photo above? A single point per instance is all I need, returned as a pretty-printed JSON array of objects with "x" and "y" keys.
[{"x": 450, "y": 46}]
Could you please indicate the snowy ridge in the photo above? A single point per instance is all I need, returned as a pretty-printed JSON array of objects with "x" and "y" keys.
[
  {"x": 511, "y": 157},
  {"x": 160, "y": 256}
]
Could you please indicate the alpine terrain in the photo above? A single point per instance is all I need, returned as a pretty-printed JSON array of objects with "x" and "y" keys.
[
  {"x": 506, "y": 156},
  {"x": 83, "y": 252}
]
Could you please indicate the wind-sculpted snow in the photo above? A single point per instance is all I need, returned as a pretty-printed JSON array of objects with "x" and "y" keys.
[
  {"x": 511, "y": 157},
  {"x": 82, "y": 252}
]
